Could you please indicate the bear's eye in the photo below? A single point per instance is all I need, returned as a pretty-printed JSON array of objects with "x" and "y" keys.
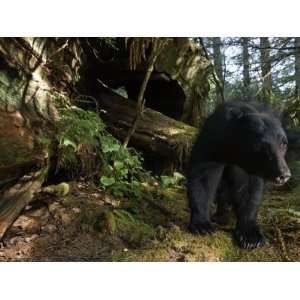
[{"x": 283, "y": 143}]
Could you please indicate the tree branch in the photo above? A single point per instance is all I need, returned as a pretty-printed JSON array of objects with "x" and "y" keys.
[{"x": 158, "y": 45}]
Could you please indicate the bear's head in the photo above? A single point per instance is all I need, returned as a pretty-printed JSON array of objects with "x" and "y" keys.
[{"x": 263, "y": 145}]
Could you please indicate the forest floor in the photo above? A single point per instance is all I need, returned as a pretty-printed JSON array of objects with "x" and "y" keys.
[{"x": 89, "y": 225}]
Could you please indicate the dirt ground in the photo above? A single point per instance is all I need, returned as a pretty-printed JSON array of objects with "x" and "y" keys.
[{"x": 88, "y": 225}]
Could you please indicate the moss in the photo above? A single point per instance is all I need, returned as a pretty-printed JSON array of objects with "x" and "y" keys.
[
  {"x": 172, "y": 242},
  {"x": 130, "y": 228},
  {"x": 13, "y": 151},
  {"x": 156, "y": 230},
  {"x": 12, "y": 86}
]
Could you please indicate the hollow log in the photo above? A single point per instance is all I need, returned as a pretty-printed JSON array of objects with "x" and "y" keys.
[
  {"x": 34, "y": 72},
  {"x": 155, "y": 132}
]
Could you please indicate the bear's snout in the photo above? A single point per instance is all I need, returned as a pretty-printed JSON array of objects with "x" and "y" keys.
[
  {"x": 285, "y": 174},
  {"x": 282, "y": 179}
]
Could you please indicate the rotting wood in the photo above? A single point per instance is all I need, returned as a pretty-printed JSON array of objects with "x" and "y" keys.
[
  {"x": 154, "y": 132},
  {"x": 14, "y": 199},
  {"x": 158, "y": 45}
]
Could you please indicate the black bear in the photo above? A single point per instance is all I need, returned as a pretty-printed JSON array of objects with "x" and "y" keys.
[{"x": 239, "y": 146}]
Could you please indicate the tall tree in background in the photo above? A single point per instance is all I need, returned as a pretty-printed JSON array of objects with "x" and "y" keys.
[
  {"x": 261, "y": 68},
  {"x": 266, "y": 67},
  {"x": 297, "y": 67},
  {"x": 246, "y": 65},
  {"x": 217, "y": 57}
]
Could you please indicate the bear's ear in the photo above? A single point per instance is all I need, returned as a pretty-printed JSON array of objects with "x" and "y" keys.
[{"x": 234, "y": 113}]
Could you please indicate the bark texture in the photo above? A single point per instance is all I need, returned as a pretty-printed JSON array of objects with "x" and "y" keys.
[
  {"x": 246, "y": 65},
  {"x": 266, "y": 69},
  {"x": 297, "y": 67},
  {"x": 218, "y": 64},
  {"x": 38, "y": 73},
  {"x": 29, "y": 83},
  {"x": 154, "y": 132},
  {"x": 185, "y": 62}
]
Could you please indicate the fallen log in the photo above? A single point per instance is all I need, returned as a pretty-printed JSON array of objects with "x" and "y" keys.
[
  {"x": 31, "y": 79},
  {"x": 14, "y": 199},
  {"x": 155, "y": 132}
]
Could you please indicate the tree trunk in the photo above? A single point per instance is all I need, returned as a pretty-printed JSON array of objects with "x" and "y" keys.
[
  {"x": 297, "y": 67},
  {"x": 246, "y": 66},
  {"x": 217, "y": 57},
  {"x": 266, "y": 69},
  {"x": 28, "y": 92},
  {"x": 186, "y": 63}
]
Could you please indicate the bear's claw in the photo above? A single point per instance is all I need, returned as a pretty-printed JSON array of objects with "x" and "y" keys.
[
  {"x": 202, "y": 228},
  {"x": 250, "y": 237}
]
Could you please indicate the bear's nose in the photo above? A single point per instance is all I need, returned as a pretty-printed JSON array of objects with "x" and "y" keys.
[{"x": 283, "y": 178}]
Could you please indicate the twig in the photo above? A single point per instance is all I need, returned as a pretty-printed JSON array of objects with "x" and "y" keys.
[
  {"x": 88, "y": 99},
  {"x": 49, "y": 59},
  {"x": 158, "y": 45}
]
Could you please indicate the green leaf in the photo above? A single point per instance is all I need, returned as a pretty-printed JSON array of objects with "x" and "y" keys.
[
  {"x": 178, "y": 176},
  {"x": 118, "y": 165},
  {"x": 107, "y": 181},
  {"x": 109, "y": 145},
  {"x": 123, "y": 172},
  {"x": 167, "y": 181},
  {"x": 66, "y": 142}
]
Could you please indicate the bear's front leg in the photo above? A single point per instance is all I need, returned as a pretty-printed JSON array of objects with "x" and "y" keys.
[
  {"x": 203, "y": 180},
  {"x": 248, "y": 233}
]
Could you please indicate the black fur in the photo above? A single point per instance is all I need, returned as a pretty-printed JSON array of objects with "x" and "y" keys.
[{"x": 239, "y": 146}]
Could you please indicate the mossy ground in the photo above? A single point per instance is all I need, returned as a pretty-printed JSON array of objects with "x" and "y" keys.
[
  {"x": 175, "y": 243},
  {"x": 89, "y": 225}
]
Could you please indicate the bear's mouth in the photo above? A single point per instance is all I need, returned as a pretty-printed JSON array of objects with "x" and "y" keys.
[{"x": 280, "y": 180}]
